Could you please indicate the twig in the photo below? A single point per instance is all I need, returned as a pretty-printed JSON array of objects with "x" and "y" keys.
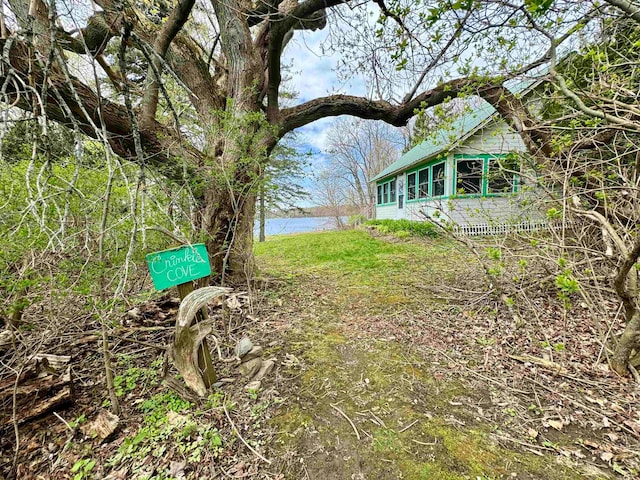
[
  {"x": 435, "y": 442},
  {"x": 233, "y": 426},
  {"x": 408, "y": 426},
  {"x": 582, "y": 405},
  {"x": 525, "y": 444},
  {"x": 63, "y": 421},
  {"x": 347, "y": 418},
  {"x": 14, "y": 415},
  {"x": 140, "y": 342}
]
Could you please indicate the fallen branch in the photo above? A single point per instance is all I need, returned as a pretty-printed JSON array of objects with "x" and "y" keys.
[
  {"x": 347, "y": 419},
  {"x": 548, "y": 364},
  {"x": 233, "y": 427}
]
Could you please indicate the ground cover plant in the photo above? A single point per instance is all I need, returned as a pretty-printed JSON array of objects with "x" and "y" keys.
[{"x": 404, "y": 228}]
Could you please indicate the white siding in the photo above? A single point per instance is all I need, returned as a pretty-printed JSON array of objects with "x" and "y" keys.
[
  {"x": 497, "y": 137},
  {"x": 475, "y": 211},
  {"x": 387, "y": 212}
]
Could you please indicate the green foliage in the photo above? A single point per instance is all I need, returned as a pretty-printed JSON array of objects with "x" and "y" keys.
[
  {"x": 356, "y": 220},
  {"x": 83, "y": 468},
  {"x": 418, "y": 229},
  {"x": 538, "y": 7},
  {"x": 285, "y": 170},
  {"x": 567, "y": 285},
  {"x": 134, "y": 378},
  {"x": 167, "y": 422}
]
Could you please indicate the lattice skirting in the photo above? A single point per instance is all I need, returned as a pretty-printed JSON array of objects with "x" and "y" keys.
[{"x": 504, "y": 228}]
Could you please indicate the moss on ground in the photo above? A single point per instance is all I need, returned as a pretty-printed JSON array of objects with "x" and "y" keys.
[{"x": 408, "y": 428}]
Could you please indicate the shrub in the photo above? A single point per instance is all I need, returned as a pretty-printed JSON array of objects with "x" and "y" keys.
[
  {"x": 413, "y": 228},
  {"x": 356, "y": 220}
]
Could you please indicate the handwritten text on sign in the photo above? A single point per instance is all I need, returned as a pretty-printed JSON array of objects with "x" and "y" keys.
[{"x": 178, "y": 265}]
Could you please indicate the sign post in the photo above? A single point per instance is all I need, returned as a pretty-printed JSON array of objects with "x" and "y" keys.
[{"x": 179, "y": 267}]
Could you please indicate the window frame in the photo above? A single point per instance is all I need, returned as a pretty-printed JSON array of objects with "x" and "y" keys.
[
  {"x": 443, "y": 179},
  {"x": 412, "y": 190},
  {"x": 480, "y": 176},
  {"x": 386, "y": 189},
  {"x": 486, "y": 159},
  {"x": 430, "y": 181},
  {"x": 420, "y": 190}
]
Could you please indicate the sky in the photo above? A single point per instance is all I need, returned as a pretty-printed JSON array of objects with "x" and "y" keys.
[{"x": 314, "y": 76}]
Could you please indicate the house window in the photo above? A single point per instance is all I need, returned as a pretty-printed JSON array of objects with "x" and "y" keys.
[
  {"x": 423, "y": 183},
  {"x": 437, "y": 185},
  {"x": 411, "y": 186},
  {"x": 386, "y": 192},
  {"x": 469, "y": 176},
  {"x": 500, "y": 176}
]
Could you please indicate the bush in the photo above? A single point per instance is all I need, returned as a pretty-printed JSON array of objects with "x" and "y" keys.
[
  {"x": 407, "y": 227},
  {"x": 356, "y": 220}
]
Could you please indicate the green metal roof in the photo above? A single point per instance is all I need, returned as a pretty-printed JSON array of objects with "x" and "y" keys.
[{"x": 451, "y": 135}]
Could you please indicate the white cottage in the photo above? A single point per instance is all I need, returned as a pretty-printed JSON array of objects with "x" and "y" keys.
[{"x": 463, "y": 175}]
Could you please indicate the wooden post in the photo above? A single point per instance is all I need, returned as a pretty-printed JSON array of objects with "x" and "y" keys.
[{"x": 204, "y": 355}]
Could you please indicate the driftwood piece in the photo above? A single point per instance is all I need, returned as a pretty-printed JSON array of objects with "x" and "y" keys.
[
  {"x": 6, "y": 340},
  {"x": 189, "y": 338},
  {"x": 43, "y": 386},
  {"x": 102, "y": 427}
]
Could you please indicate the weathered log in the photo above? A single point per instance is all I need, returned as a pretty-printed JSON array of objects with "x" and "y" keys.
[
  {"x": 39, "y": 390},
  {"x": 189, "y": 338}
]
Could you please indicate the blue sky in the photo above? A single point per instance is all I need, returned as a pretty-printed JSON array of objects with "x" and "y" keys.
[{"x": 313, "y": 76}]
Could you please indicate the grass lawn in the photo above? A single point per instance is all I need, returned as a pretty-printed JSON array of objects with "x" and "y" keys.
[{"x": 365, "y": 400}]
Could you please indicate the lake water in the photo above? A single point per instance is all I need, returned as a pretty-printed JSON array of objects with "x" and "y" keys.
[{"x": 281, "y": 226}]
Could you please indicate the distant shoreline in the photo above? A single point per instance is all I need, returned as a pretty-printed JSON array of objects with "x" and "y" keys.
[{"x": 310, "y": 212}]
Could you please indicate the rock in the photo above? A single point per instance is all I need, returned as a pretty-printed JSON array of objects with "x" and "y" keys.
[
  {"x": 104, "y": 425},
  {"x": 255, "y": 352},
  {"x": 250, "y": 368},
  {"x": 244, "y": 346},
  {"x": 176, "y": 469},
  {"x": 253, "y": 386},
  {"x": 266, "y": 369}
]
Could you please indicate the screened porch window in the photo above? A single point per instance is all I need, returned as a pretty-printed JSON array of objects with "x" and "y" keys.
[
  {"x": 469, "y": 176},
  {"x": 423, "y": 183},
  {"x": 437, "y": 186},
  {"x": 379, "y": 194},
  {"x": 500, "y": 176},
  {"x": 392, "y": 191},
  {"x": 411, "y": 186},
  {"x": 385, "y": 193}
]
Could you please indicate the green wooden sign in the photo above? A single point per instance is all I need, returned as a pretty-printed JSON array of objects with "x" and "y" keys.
[{"x": 178, "y": 265}]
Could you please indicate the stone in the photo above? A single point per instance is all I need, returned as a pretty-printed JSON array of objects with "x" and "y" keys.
[
  {"x": 266, "y": 369},
  {"x": 253, "y": 386},
  {"x": 255, "y": 352},
  {"x": 244, "y": 346},
  {"x": 250, "y": 368}
]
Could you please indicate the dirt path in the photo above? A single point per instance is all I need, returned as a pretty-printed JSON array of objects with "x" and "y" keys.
[{"x": 365, "y": 401}]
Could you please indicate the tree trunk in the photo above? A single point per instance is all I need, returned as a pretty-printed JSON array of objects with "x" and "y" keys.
[
  {"x": 263, "y": 215},
  {"x": 227, "y": 225},
  {"x": 629, "y": 341}
]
